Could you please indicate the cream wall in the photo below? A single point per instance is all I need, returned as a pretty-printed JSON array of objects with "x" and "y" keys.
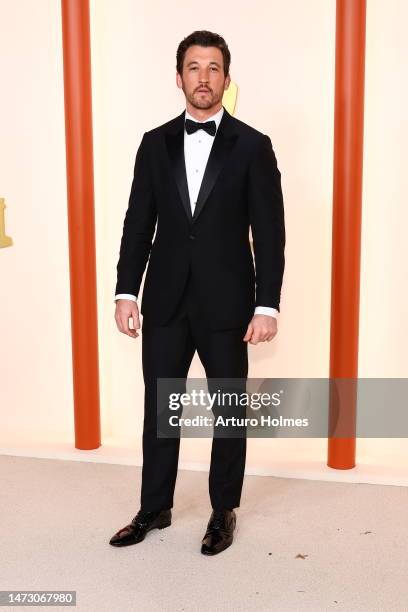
[
  {"x": 384, "y": 294},
  {"x": 35, "y": 351},
  {"x": 283, "y": 63}
]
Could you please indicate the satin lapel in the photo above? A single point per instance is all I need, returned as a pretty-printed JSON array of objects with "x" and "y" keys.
[
  {"x": 220, "y": 150},
  {"x": 175, "y": 149},
  {"x": 224, "y": 141}
]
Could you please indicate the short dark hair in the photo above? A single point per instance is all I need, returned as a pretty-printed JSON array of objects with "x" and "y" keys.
[{"x": 204, "y": 39}]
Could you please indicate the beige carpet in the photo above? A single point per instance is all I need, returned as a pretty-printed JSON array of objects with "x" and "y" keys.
[{"x": 300, "y": 545}]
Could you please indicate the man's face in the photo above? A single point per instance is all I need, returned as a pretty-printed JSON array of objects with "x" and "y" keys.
[{"x": 202, "y": 80}]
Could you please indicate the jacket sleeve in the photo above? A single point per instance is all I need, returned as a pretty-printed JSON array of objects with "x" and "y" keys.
[
  {"x": 267, "y": 224},
  {"x": 138, "y": 227}
]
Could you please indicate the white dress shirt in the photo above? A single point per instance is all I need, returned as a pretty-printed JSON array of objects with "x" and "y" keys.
[{"x": 197, "y": 148}]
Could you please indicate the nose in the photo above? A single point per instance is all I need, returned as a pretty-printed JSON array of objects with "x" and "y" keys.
[{"x": 204, "y": 76}]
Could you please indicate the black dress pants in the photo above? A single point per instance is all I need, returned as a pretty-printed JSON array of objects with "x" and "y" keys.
[{"x": 167, "y": 352}]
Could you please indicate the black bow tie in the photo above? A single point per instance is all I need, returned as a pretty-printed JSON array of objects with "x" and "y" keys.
[{"x": 209, "y": 126}]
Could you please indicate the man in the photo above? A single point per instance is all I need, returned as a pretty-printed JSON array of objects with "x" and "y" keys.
[{"x": 204, "y": 178}]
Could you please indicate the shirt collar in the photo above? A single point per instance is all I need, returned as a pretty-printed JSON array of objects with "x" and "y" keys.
[{"x": 217, "y": 117}]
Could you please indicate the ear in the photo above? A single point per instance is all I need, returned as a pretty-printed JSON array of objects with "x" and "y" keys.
[
  {"x": 227, "y": 82},
  {"x": 179, "y": 80}
]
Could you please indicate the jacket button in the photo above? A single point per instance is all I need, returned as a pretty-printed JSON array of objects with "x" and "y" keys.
[{"x": 192, "y": 237}]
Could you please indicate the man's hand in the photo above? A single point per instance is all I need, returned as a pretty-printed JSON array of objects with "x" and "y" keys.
[
  {"x": 261, "y": 328},
  {"x": 126, "y": 309}
]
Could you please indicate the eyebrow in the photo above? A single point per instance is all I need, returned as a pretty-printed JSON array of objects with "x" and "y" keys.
[{"x": 195, "y": 62}]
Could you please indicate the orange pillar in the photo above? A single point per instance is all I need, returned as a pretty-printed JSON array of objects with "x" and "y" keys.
[
  {"x": 346, "y": 233},
  {"x": 81, "y": 223}
]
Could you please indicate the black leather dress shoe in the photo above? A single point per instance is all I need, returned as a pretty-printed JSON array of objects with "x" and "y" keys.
[
  {"x": 219, "y": 534},
  {"x": 143, "y": 522}
]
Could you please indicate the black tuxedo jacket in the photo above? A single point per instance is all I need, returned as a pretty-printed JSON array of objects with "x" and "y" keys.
[{"x": 241, "y": 188}]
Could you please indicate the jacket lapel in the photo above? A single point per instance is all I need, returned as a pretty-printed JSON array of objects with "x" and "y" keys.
[
  {"x": 175, "y": 149},
  {"x": 224, "y": 141}
]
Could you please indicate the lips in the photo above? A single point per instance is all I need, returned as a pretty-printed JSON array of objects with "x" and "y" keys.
[{"x": 203, "y": 90}]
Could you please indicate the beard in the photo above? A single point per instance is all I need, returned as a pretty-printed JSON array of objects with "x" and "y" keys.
[{"x": 197, "y": 100}]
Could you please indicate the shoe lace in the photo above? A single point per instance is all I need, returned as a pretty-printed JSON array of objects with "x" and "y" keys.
[
  {"x": 141, "y": 517},
  {"x": 217, "y": 519}
]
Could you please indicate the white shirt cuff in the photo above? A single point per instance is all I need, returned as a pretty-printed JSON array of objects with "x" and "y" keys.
[
  {"x": 125, "y": 296},
  {"x": 266, "y": 310}
]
